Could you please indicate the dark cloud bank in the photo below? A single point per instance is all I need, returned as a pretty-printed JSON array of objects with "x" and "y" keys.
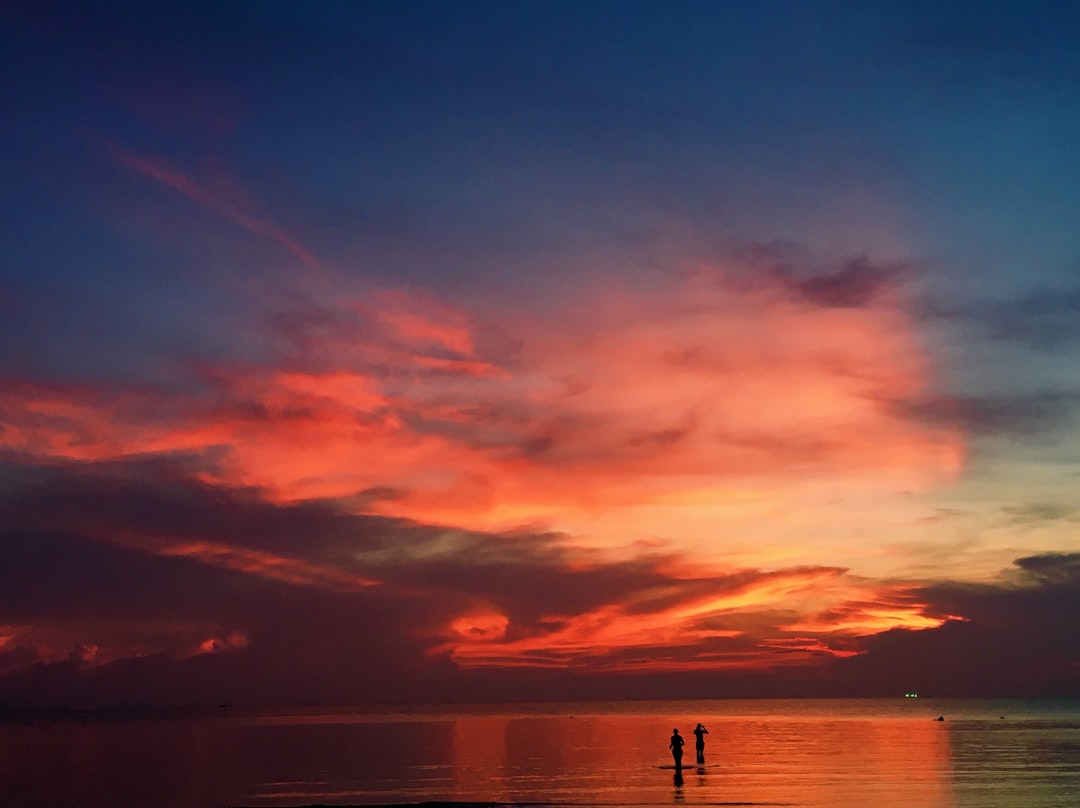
[{"x": 342, "y": 643}]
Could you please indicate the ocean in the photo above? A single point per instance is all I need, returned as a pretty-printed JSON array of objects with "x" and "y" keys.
[{"x": 822, "y": 752}]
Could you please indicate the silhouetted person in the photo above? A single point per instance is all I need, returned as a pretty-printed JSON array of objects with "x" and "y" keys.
[
  {"x": 676, "y": 746},
  {"x": 699, "y": 745}
]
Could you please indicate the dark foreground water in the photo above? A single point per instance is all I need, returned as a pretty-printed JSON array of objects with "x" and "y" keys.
[{"x": 886, "y": 754}]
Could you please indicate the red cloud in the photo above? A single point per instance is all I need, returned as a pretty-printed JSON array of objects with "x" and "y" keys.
[
  {"x": 714, "y": 421},
  {"x": 692, "y": 625},
  {"x": 640, "y": 407}
]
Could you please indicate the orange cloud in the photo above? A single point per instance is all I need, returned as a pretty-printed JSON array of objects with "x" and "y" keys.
[
  {"x": 666, "y": 403},
  {"x": 480, "y": 624},
  {"x": 893, "y": 606},
  {"x": 714, "y": 423},
  {"x": 684, "y": 626}
]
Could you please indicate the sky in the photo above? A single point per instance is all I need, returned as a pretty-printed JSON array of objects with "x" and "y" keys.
[{"x": 442, "y": 352}]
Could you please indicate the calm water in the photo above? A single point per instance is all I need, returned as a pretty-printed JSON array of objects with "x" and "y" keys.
[{"x": 884, "y": 754}]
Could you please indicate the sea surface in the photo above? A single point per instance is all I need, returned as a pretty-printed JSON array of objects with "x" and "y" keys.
[{"x": 880, "y": 753}]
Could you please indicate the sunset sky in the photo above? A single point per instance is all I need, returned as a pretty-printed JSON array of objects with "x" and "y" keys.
[{"x": 421, "y": 352}]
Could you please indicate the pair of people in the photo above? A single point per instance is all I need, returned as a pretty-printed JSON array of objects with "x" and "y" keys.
[{"x": 677, "y": 742}]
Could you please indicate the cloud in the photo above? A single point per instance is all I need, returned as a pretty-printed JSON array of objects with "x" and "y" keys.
[
  {"x": 121, "y": 571},
  {"x": 1032, "y": 513},
  {"x": 1014, "y": 639},
  {"x": 221, "y": 198},
  {"x": 1047, "y": 319},
  {"x": 719, "y": 621},
  {"x": 1044, "y": 319},
  {"x": 1027, "y": 414},
  {"x": 619, "y": 399},
  {"x": 214, "y": 570},
  {"x": 514, "y": 485},
  {"x": 116, "y": 573},
  {"x": 1052, "y": 569},
  {"x": 817, "y": 278}
]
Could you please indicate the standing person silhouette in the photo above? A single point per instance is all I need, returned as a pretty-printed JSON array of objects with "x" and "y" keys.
[
  {"x": 676, "y": 746},
  {"x": 700, "y": 732}
]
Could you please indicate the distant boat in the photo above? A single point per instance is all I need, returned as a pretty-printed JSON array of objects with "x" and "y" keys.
[{"x": 911, "y": 695}]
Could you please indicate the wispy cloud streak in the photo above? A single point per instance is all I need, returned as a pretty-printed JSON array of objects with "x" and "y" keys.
[{"x": 216, "y": 201}]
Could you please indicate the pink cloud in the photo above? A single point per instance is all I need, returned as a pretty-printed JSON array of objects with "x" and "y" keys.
[{"x": 668, "y": 398}]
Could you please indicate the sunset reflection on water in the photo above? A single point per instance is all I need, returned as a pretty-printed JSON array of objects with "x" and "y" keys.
[
  {"x": 820, "y": 753},
  {"x": 778, "y": 760}
]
